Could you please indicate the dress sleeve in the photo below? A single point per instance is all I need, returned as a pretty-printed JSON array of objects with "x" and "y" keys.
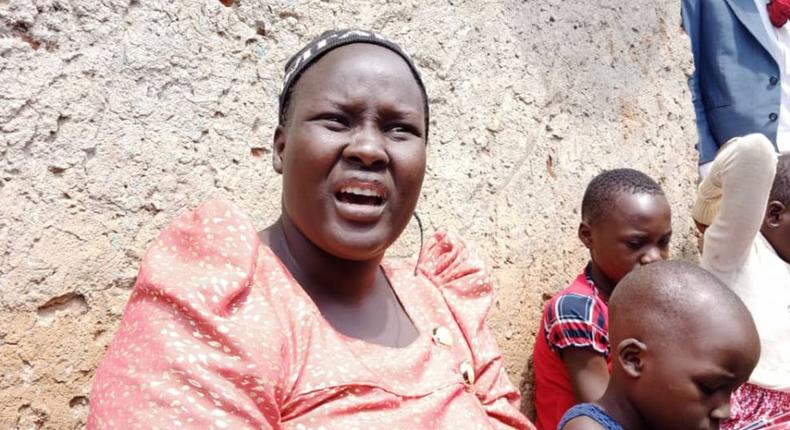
[
  {"x": 195, "y": 348},
  {"x": 576, "y": 320},
  {"x": 466, "y": 286},
  {"x": 732, "y": 200}
]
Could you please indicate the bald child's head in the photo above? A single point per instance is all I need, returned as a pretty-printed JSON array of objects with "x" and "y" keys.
[{"x": 682, "y": 342}]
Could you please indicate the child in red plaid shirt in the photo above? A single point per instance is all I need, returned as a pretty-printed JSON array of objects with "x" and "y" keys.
[{"x": 626, "y": 222}]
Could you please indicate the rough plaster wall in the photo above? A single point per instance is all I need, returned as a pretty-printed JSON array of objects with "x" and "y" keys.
[{"x": 115, "y": 115}]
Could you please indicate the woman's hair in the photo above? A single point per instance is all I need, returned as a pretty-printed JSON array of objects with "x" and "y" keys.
[{"x": 327, "y": 41}]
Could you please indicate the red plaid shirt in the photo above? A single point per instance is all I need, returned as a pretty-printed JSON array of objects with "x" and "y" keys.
[{"x": 575, "y": 317}]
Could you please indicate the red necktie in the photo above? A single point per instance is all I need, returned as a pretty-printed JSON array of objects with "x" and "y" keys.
[{"x": 779, "y": 12}]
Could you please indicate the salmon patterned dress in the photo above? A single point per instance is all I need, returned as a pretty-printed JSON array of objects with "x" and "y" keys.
[{"x": 217, "y": 334}]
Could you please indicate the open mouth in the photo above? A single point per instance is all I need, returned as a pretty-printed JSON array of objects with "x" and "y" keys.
[{"x": 360, "y": 196}]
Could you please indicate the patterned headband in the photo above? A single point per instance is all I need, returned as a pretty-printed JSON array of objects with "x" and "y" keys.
[{"x": 328, "y": 41}]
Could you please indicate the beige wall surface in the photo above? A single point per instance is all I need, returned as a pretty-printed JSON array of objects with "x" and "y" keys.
[{"x": 115, "y": 115}]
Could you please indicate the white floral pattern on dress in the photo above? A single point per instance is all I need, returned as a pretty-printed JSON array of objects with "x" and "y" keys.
[{"x": 218, "y": 335}]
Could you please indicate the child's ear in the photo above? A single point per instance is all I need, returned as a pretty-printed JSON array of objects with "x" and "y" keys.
[
  {"x": 278, "y": 144},
  {"x": 773, "y": 213},
  {"x": 585, "y": 234},
  {"x": 630, "y": 356}
]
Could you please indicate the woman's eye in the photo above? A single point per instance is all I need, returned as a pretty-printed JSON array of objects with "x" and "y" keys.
[
  {"x": 334, "y": 122},
  {"x": 402, "y": 130}
]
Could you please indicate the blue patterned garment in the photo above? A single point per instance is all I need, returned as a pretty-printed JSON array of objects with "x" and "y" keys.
[{"x": 593, "y": 412}]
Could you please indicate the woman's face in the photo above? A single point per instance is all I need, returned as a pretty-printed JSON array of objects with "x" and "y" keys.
[{"x": 352, "y": 151}]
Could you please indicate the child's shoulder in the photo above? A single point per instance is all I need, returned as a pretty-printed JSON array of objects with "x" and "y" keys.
[
  {"x": 579, "y": 292},
  {"x": 588, "y": 416},
  {"x": 583, "y": 423},
  {"x": 576, "y": 317}
]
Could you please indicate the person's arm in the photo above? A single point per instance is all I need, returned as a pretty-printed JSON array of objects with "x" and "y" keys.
[
  {"x": 187, "y": 355},
  {"x": 691, "y": 25},
  {"x": 587, "y": 371},
  {"x": 575, "y": 329},
  {"x": 461, "y": 278},
  {"x": 732, "y": 200}
]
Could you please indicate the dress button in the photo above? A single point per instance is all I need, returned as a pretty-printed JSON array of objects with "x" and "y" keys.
[
  {"x": 468, "y": 373},
  {"x": 773, "y": 116},
  {"x": 442, "y": 336},
  {"x": 773, "y": 80}
]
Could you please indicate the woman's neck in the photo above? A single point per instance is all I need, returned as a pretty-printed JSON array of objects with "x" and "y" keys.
[{"x": 318, "y": 272}]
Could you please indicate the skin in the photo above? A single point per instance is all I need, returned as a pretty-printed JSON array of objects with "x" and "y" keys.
[
  {"x": 692, "y": 376},
  {"x": 588, "y": 373},
  {"x": 636, "y": 232},
  {"x": 776, "y": 228},
  {"x": 355, "y": 118},
  {"x": 679, "y": 382}
]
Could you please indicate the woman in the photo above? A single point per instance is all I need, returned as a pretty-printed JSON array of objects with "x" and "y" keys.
[{"x": 305, "y": 325}]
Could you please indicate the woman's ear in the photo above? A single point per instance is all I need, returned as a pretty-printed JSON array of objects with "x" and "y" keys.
[
  {"x": 630, "y": 356},
  {"x": 278, "y": 144},
  {"x": 585, "y": 234},
  {"x": 774, "y": 213}
]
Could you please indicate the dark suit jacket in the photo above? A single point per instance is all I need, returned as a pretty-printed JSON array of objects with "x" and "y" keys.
[{"x": 735, "y": 86}]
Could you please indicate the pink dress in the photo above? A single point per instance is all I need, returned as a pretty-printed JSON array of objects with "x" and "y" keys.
[{"x": 218, "y": 335}]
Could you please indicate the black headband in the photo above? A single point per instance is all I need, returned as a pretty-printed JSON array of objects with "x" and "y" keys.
[{"x": 328, "y": 41}]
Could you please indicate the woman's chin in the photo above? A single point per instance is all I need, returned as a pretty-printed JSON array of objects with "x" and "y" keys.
[{"x": 356, "y": 246}]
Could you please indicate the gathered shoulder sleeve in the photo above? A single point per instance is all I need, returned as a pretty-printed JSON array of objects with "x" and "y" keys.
[
  {"x": 577, "y": 321},
  {"x": 460, "y": 275},
  {"x": 198, "y": 347}
]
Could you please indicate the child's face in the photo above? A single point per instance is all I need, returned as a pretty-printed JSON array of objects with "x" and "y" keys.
[
  {"x": 686, "y": 383},
  {"x": 637, "y": 231},
  {"x": 352, "y": 151}
]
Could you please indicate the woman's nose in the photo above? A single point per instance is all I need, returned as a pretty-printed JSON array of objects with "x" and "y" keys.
[{"x": 367, "y": 148}]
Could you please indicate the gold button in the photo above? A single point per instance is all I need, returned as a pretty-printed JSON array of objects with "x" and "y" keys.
[
  {"x": 468, "y": 373},
  {"x": 441, "y": 336}
]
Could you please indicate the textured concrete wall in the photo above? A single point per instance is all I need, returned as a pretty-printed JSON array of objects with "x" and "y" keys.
[{"x": 115, "y": 115}]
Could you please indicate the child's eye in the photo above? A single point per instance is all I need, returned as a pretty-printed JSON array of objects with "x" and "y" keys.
[
  {"x": 634, "y": 244},
  {"x": 705, "y": 389}
]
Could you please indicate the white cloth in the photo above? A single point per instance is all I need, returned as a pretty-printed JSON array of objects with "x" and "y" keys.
[
  {"x": 704, "y": 169},
  {"x": 780, "y": 41},
  {"x": 737, "y": 253}
]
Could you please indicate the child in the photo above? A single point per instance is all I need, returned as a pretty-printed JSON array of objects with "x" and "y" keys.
[
  {"x": 745, "y": 201},
  {"x": 626, "y": 223},
  {"x": 675, "y": 363}
]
